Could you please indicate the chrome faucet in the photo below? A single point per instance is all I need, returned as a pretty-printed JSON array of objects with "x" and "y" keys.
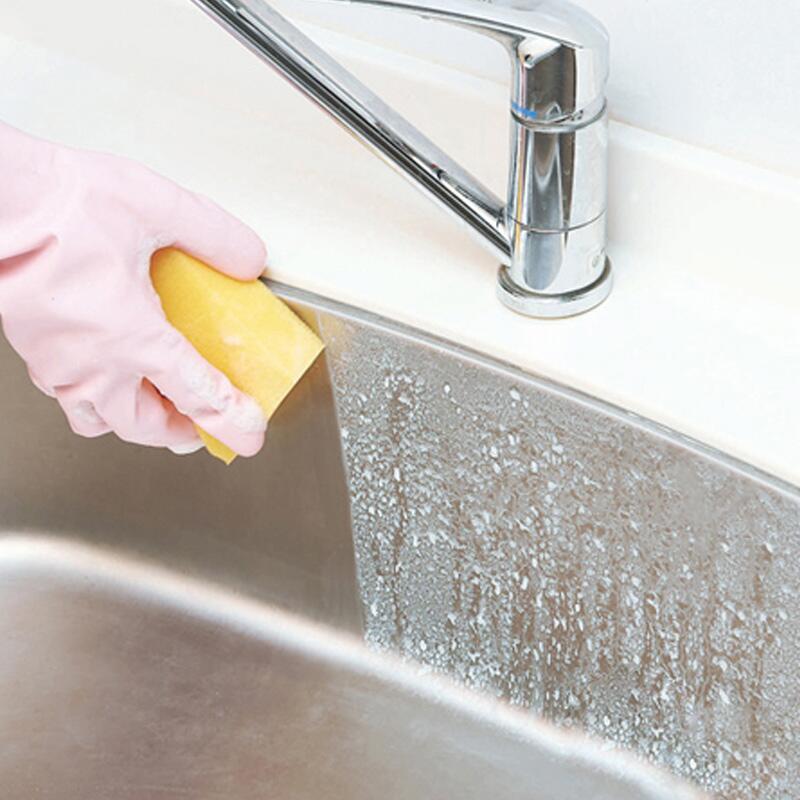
[{"x": 550, "y": 235}]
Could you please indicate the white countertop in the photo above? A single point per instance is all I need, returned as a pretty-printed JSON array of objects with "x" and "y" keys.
[{"x": 701, "y": 332}]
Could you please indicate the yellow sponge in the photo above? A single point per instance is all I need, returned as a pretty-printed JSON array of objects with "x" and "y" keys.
[{"x": 239, "y": 327}]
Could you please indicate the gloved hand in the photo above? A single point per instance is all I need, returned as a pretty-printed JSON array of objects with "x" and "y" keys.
[{"x": 77, "y": 230}]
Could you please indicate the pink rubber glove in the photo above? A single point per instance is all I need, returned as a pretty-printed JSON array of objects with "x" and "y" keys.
[{"x": 77, "y": 230}]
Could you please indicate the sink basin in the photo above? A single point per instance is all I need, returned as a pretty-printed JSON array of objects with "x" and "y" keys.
[
  {"x": 443, "y": 578},
  {"x": 125, "y": 680}
]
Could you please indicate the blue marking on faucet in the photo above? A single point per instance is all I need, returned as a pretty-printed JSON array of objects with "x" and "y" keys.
[{"x": 523, "y": 112}]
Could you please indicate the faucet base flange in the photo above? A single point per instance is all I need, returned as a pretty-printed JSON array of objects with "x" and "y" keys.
[{"x": 553, "y": 306}]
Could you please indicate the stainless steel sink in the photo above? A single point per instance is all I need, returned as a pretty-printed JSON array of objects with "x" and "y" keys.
[{"x": 435, "y": 558}]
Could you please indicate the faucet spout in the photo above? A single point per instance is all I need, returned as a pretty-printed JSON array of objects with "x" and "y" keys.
[{"x": 364, "y": 115}]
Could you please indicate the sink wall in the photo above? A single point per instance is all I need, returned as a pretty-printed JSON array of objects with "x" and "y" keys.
[{"x": 573, "y": 560}]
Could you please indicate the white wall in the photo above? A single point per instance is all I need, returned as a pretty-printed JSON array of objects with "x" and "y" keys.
[{"x": 723, "y": 74}]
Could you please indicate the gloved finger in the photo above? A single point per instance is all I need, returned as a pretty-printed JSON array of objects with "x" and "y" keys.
[
  {"x": 137, "y": 413},
  {"x": 81, "y": 413},
  {"x": 204, "y": 394},
  {"x": 188, "y": 448},
  {"x": 40, "y": 384},
  {"x": 203, "y": 229}
]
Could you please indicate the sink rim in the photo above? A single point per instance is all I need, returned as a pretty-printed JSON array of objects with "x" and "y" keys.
[{"x": 555, "y": 388}]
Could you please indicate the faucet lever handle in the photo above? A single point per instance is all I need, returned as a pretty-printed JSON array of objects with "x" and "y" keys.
[{"x": 559, "y": 52}]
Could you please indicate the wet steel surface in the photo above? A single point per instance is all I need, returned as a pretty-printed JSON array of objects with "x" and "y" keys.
[{"x": 573, "y": 560}]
